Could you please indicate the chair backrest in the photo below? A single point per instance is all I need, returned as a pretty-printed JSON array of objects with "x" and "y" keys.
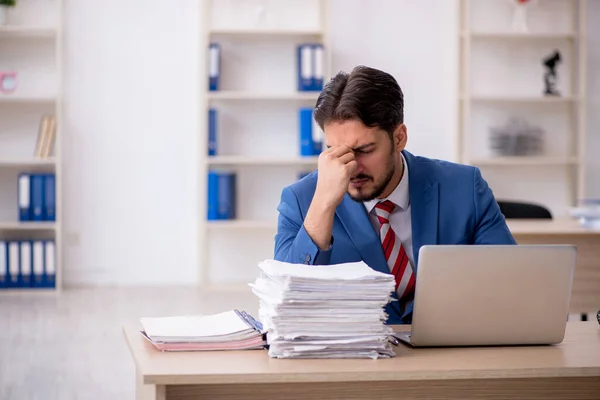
[{"x": 522, "y": 210}]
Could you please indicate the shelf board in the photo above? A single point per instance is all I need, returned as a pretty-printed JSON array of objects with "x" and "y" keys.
[
  {"x": 241, "y": 224},
  {"x": 27, "y": 291},
  {"x": 266, "y": 32},
  {"x": 520, "y": 36},
  {"x": 523, "y": 161},
  {"x": 27, "y": 31},
  {"x": 50, "y": 162},
  {"x": 235, "y": 95},
  {"x": 9, "y": 98},
  {"x": 261, "y": 160},
  {"x": 27, "y": 226},
  {"x": 520, "y": 99}
]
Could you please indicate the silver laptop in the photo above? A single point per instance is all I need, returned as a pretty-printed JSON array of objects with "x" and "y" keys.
[{"x": 486, "y": 295}]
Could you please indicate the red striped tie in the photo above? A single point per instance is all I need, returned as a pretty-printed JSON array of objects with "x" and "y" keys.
[{"x": 396, "y": 257}]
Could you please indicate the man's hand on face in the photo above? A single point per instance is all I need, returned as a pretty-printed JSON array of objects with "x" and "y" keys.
[{"x": 336, "y": 166}]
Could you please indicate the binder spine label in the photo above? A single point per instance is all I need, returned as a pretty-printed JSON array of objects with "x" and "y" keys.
[
  {"x": 50, "y": 266},
  {"x": 317, "y": 138},
  {"x": 318, "y": 68},
  {"x": 212, "y": 132},
  {"x": 38, "y": 264},
  {"x": 13, "y": 264},
  {"x": 24, "y": 197},
  {"x": 50, "y": 198},
  {"x": 37, "y": 197},
  {"x": 3, "y": 265},
  {"x": 305, "y": 67},
  {"x": 306, "y": 135},
  {"x": 214, "y": 66},
  {"x": 25, "y": 263}
]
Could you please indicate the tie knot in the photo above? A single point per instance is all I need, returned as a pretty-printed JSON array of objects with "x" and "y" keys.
[{"x": 383, "y": 209}]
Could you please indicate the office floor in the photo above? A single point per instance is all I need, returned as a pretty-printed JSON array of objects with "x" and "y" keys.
[{"x": 71, "y": 346}]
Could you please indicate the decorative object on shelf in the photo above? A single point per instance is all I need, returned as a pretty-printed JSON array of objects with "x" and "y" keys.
[
  {"x": 8, "y": 81},
  {"x": 260, "y": 12},
  {"x": 5, "y": 5},
  {"x": 587, "y": 212},
  {"x": 551, "y": 77},
  {"x": 520, "y": 15},
  {"x": 516, "y": 138}
]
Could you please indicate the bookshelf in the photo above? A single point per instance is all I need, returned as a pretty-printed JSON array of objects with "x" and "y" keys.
[
  {"x": 258, "y": 123},
  {"x": 502, "y": 92},
  {"x": 31, "y": 46}
]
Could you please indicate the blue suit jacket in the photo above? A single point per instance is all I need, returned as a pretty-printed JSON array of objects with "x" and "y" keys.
[{"x": 450, "y": 204}]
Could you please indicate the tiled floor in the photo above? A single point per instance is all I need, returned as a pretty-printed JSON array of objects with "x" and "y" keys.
[{"x": 70, "y": 346}]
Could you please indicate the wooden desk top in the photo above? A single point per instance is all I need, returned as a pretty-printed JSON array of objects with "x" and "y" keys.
[
  {"x": 556, "y": 226},
  {"x": 577, "y": 356}
]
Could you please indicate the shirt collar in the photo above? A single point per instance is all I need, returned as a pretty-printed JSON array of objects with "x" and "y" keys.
[{"x": 400, "y": 196}]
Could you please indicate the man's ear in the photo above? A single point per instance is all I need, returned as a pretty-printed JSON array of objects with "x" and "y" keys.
[{"x": 400, "y": 137}]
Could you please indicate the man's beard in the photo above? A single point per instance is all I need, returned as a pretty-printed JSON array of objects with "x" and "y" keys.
[{"x": 379, "y": 187}]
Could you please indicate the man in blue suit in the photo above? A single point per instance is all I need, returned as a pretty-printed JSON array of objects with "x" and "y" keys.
[{"x": 372, "y": 200}]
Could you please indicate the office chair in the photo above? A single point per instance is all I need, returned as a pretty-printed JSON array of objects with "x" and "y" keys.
[{"x": 522, "y": 210}]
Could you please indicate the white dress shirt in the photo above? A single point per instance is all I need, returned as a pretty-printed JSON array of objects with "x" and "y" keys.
[{"x": 400, "y": 220}]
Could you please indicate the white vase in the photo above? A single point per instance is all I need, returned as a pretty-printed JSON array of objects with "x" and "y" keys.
[{"x": 3, "y": 15}]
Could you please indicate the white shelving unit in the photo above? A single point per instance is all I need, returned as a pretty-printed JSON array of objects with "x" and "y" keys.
[
  {"x": 271, "y": 161},
  {"x": 502, "y": 77},
  {"x": 31, "y": 45},
  {"x": 258, "y": 132},
  {"x": 235, "y": 95}
]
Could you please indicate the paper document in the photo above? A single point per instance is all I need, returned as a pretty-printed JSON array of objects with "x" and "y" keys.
[
  {"x": 324, "y": 311},
  {"x": 227, "y": 330}
]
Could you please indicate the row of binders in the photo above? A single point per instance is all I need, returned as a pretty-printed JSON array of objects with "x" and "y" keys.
[
  {"x": 309, "y": 61},
  {"x": 309, "y": 133},
  {"x": 222, "y": 194},
  {"x": 305, "y": 311},
  {"x": 27, "y": 264},
  {"x": 37, "y": 197}
]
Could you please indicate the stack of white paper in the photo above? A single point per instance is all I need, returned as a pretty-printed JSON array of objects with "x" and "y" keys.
[
  {"x": 324, "y": 311},
  {"x": 230, "y": 330}
]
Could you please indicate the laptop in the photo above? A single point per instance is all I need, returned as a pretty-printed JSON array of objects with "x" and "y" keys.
[{"x": 488, "y": 295}]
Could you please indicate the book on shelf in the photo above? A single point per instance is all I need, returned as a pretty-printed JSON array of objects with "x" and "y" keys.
[
  {"x": 229, "y": 330},
  {"x": 27, "y": 264},
  {"x": 44, "y": 147}
]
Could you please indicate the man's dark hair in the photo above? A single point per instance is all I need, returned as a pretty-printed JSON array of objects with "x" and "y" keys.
[{"x": 366, "y": 94}]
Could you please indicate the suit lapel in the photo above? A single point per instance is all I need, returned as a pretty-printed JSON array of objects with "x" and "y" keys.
[
  {"x": 355, "y": 220},
  {"x": 424, "y": 202}
]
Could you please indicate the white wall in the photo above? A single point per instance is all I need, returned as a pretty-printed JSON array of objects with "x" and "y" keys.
[
  {"x": 416, "y": 42},
  {"x": 130, "y": 75},
  {"x": 130, "y": 141},
  {"x": 593, "y": 116}
]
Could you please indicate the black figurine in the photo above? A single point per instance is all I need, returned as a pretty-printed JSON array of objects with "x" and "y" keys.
[{"x": 550, "y": 77}]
